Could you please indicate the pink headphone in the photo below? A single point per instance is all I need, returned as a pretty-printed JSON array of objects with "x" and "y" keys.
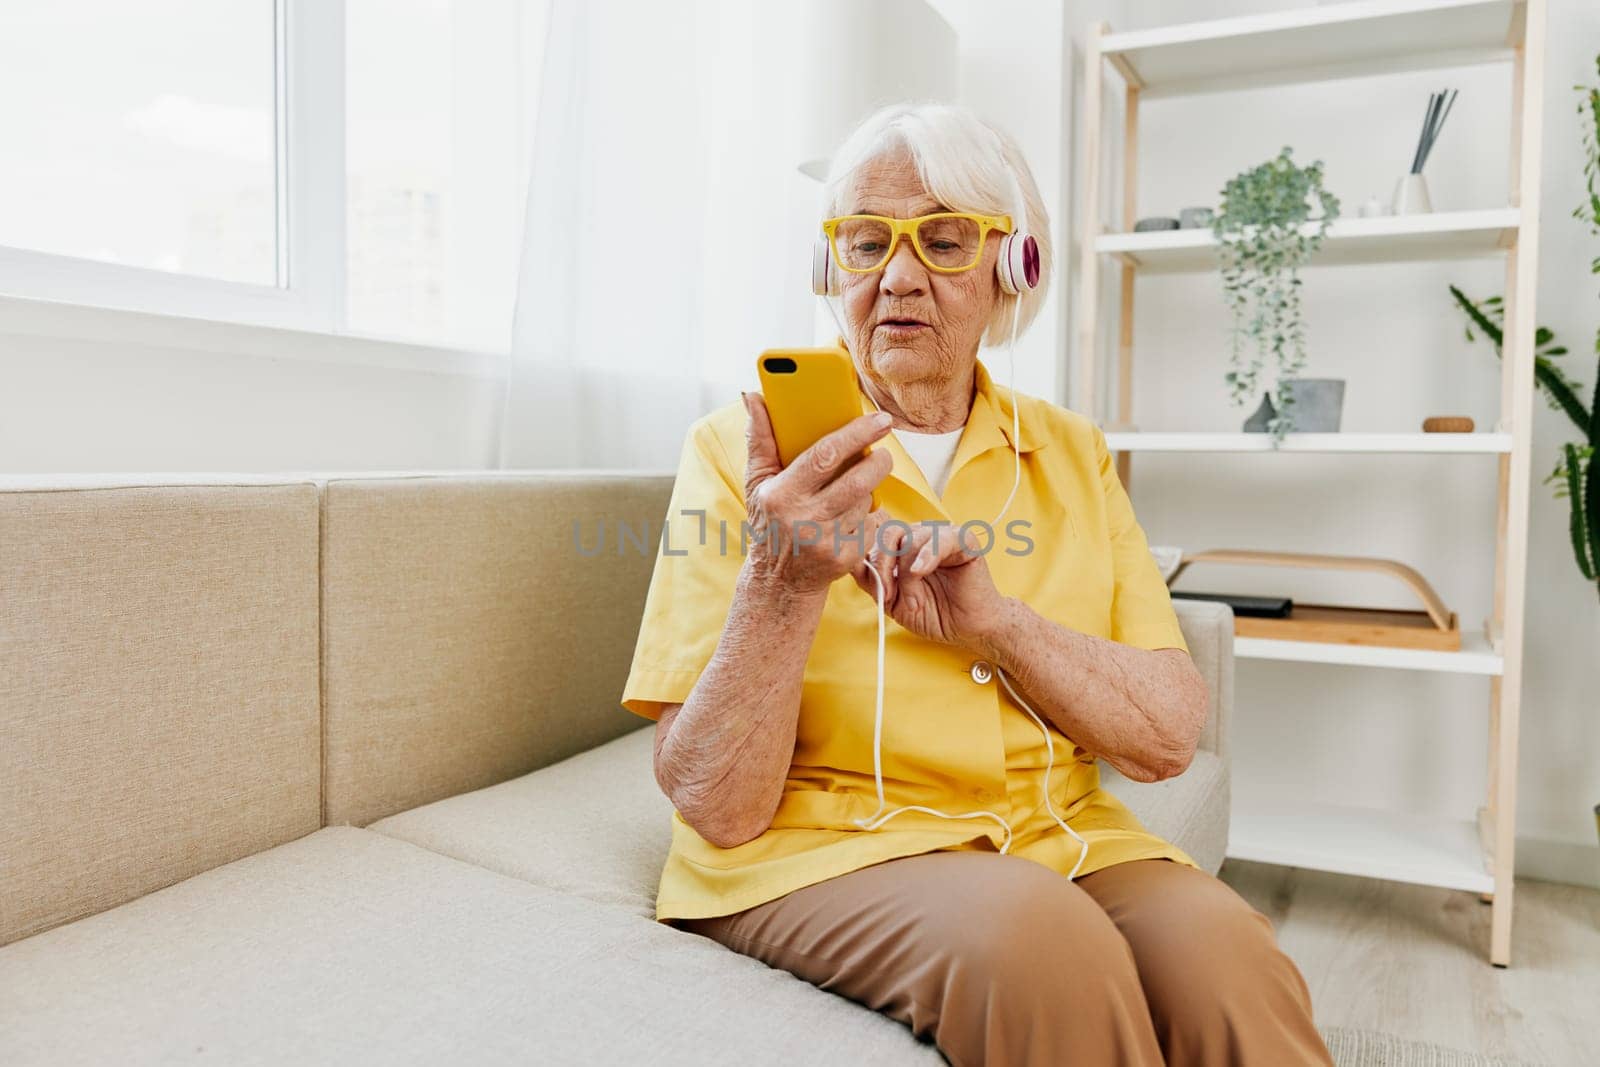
[{"x": 1017, "y": 266}]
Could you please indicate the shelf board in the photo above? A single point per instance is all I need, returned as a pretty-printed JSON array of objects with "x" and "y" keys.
[
  {"x": 1316, "y": 43},
  {"x": 1383, "y": 443},
  {"x": 1384, "y": 239},
  {"x": 1475, "y": 657},
  {"x": 1397, "y": 846}
]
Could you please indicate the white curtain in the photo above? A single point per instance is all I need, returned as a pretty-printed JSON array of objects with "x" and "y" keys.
[{"x": 667, "y": 234}]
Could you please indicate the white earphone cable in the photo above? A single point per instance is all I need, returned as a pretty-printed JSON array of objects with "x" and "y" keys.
[{"x": 879, "y": 817}]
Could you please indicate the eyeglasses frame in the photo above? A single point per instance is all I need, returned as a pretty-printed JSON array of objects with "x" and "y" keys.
[{"x": 908, "y": 227}]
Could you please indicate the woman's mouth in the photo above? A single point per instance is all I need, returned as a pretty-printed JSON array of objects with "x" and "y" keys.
[{"x": 903, "y": 329}]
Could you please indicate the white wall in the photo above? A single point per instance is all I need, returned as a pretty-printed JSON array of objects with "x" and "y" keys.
[
  {"x": 1022, "y": 64},
  {"x": 94, "y": 390},
  {"x": 1385, "y": 738},
  {"x": 1011, "y": 55}
]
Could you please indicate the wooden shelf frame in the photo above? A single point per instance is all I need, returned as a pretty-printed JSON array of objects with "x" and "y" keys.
[{"x": 1347, "y": 40}]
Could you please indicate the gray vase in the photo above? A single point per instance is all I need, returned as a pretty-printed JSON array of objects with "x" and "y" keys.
[{"x": 1318, "y": 403}]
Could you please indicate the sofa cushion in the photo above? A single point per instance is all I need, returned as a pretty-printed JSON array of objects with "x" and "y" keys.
[
  {"x": 597, "y": 825},
  {"x": 348, "y": 946},
  {"x": 158, "y": 686}
]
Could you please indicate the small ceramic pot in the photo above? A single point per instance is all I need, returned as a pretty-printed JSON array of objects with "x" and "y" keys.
[
  {"x": 1411, "y": 195},
  {"x": 1193, "y": 218},
  {"x": 1155, "y": 222}
]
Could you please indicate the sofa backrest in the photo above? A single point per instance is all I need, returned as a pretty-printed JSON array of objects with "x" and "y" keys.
[
  {"x": 158, "y": 687},
  {"x": 467, "y": 638},
  {"x": 190, "y": 673},
  {"x": 479, "y": 628}
]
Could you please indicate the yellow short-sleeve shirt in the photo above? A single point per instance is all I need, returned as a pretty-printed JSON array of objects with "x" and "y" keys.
[{"x": 1068, "y": 546}]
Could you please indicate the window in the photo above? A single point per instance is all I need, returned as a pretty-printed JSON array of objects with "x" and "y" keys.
[
  {"x": 439, "y": 103},
  {"x": 142, "y": 134},
  {"x": 346, "y": 166}
]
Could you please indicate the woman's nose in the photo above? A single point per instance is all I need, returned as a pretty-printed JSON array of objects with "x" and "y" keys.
[{"x": 904, "y": 273}]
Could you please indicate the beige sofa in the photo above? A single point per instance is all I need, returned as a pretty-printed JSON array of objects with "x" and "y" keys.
[{"x": 332, "y": 769}]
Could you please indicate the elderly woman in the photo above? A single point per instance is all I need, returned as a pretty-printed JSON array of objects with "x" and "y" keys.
[{"x": 993, "y": 930}]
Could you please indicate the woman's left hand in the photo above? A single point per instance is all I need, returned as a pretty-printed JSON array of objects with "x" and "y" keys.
[{"x": 936, "y": 587}]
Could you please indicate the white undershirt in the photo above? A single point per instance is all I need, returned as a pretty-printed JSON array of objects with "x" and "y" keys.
[{"x": 933, "y": 453}]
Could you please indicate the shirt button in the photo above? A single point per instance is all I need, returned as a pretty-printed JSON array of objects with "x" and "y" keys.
[{"x": 982, "y": 672}]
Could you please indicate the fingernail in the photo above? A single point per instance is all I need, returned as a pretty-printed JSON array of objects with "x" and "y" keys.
[{"x": 880, "y": 419}]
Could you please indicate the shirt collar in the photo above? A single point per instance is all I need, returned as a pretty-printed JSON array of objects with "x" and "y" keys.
[{"x": 988, "y": 429}]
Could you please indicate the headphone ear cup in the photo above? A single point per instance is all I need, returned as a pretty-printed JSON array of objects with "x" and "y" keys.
[
  {"x": 824, "y": 276},
  {"x": 1017, "y": 265}
]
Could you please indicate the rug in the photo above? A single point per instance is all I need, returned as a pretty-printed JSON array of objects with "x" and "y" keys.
[{"x": 1368, "y": 1048}]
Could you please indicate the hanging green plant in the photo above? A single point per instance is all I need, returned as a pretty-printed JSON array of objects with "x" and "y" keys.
[{"x": 1267, "y": 231}]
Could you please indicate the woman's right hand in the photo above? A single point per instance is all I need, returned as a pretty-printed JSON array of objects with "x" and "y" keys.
[{"x": 812, "y": 522}]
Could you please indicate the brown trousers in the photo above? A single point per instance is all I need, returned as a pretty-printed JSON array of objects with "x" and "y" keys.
[{"x": 1001, "y": 960}]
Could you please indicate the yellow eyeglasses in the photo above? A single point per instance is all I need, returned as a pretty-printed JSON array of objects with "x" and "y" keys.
[{"x": 946, "y": 241}]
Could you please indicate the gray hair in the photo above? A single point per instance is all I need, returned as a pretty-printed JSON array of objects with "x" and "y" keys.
[{"x": 963, "y": 161}]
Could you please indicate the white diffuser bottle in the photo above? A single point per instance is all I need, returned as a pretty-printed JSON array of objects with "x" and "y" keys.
[
  {"x": 1411, "y": 191},
  {"x": 1410, "y": 196}
]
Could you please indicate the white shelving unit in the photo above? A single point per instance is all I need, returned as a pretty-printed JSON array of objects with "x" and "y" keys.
[
  {"x": 1477, "y": 655},
  {"x": 1374, "y": 844},
  {"x": 1477, "y": 442},
  {"x": 1388, "y": 239},
  {"x": 1311, "y": 44}
]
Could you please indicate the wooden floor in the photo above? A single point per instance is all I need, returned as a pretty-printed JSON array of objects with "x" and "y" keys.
[{"x": 1413, "y": 961}]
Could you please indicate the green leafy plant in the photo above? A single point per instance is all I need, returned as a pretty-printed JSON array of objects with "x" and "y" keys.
[
  {"x": 1576, "y": 476},
  {"x": 1263, "y": 228},
  {"x": 1588, "y": 210}
]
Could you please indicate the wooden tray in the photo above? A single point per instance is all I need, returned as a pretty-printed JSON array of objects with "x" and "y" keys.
[
  {"x": 1434, "y": 628},
  {"x": 1354, "y": 626}
]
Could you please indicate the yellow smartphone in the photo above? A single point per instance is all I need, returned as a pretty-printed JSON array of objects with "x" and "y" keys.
[{"x": 809, "y": 393}]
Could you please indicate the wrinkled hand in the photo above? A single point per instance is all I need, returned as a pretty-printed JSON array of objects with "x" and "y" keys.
[
  {"x": 935, "y": 583},
  {"x": 813, "y": 518}
]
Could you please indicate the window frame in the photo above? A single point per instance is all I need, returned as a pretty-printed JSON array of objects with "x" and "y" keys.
[{"x": 308, "y": 126}]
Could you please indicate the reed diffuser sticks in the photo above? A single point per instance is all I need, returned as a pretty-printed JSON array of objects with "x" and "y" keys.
[{"x": 1439, "y": 105}]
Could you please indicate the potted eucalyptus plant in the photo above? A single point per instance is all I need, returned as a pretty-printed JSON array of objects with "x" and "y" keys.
[{"x": 1266, "y": 231}]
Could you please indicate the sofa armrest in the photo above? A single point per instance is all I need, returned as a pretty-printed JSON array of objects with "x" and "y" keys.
[{"x": 1208, "y": 630}]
